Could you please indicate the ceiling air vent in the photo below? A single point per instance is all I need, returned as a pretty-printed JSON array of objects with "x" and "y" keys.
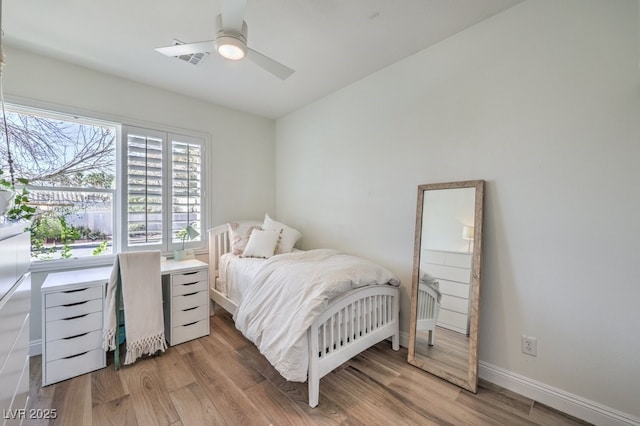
[{"x": 193, "y": 58}]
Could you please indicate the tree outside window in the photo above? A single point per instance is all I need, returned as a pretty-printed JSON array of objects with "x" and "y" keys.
[{"x": 71, "y": 167}]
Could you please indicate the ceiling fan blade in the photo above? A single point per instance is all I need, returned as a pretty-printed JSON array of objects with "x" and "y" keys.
[
  {"x": 232, "y": 12},
  {"x": 188, "y": 49},
  {"x": 276, "y": 68}
]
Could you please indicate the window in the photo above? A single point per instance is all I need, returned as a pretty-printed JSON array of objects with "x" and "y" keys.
[
  {"x": 186, "y": 185},
  {"x": 163, "y": 189},
  {"x": 84, "y": 208},
  {"x": 144, "y": 188},
  {"x": 70, "y": 164}
]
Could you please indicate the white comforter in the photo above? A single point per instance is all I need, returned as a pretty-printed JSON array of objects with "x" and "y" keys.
[{"x": 289, "y": 292}]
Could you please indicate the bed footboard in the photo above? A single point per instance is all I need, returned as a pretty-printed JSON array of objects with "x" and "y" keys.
[
  {"x": 351, "y": 324},
  {"x": 428, "y": 309}
]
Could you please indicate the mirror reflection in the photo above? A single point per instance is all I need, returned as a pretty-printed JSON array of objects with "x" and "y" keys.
[{"x": 444, "y": 317}]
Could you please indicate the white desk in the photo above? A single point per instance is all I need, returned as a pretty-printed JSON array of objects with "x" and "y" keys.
[
  {"x": 72, "y": 317},
  {"x": 67, "y": 279}
]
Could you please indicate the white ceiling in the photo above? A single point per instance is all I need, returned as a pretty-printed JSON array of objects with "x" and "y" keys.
[{"x": 330, "y": 43}]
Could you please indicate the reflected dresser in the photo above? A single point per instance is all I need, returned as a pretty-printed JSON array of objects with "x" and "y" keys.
[{"x": 453, "y": 272}]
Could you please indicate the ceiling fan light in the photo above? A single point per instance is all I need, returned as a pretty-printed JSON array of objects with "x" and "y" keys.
[{"x": 231, "y": 48}]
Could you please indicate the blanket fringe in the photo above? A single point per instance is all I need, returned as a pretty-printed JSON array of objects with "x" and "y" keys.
[
  {"x": 109, "y": 339},
  {"x": 148, "y": 345}
]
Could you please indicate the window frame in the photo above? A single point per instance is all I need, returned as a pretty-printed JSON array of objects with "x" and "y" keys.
[
  {"x": 54, "y": 110},
  {"x": 53, "y": 113},
  {"x": 167, "y": 137}
]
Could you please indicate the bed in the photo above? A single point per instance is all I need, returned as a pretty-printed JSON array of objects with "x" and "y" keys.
[{"x": 346, "y": 325}]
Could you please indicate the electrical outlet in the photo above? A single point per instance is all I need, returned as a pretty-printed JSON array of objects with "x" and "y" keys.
[{"x": 529, "y": 345}]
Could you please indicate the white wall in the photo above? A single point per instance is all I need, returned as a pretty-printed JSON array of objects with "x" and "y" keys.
[
  {"x": 241, "y": 178},
  {"x": 541, "y": 101}
]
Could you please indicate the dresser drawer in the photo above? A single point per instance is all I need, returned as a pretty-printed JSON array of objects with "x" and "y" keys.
[
  {"x": 12, "y": 369},
  {"x": 190, "y": 331},
  {"x": 454, "y": 289},
  {"x": 190, "y": 287},
  {"x": 73, "y": 296},
  {"x": 453, "y": 320},
  {"x": 21, "y": 397},
  {"x": 455, "y": 304},
  {"x": 189, "y": 277},
  {"x": 189, "y": 315},
  {"x": 14, "y": 317},
  {"x": 60, "y": 329},
  {"x": 73, "y": 345},
  {"x": 72, "y": 366},
  {"x": 73, "y": 309},
  {"x": 189, "y": 300}
]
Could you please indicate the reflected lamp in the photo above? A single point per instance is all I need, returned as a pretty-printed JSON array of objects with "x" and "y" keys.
[{"x": 467, "y": 234}]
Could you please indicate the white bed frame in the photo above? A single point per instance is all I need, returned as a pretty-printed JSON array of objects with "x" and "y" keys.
[
  {"x": 428, "y": 309},
  {"x": 352, "y": 323}
]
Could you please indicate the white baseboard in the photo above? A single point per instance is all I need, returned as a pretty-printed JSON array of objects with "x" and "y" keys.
[
  {"x": 404, "y": 339},
  {"x": 566, "y": 402},
  {"x": 35, "y": 347},
  {"x": 559, "y": 399}
]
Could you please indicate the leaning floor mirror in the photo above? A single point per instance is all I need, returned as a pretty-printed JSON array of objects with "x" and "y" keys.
[{"x": 443, "y": 333}]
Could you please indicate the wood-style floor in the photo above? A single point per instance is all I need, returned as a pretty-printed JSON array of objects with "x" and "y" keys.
[
  {"x": 450, "y": 351},
  {"x": 222, "y": 379}
]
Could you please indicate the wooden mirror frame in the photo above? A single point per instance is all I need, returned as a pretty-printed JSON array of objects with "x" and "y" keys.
[{"x": 471, "y": 382}]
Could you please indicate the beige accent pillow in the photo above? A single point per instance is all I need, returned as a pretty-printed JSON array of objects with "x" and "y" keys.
[
  {"x": 289, "y": 235},
  {"x": 239, "y": 234},
  {"x": 262, "y": 243}
]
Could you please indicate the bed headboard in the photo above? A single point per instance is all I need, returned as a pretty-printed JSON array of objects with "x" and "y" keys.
[{"x": 219, "y": 244}]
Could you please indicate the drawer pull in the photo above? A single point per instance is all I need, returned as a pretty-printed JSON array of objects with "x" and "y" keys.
[
  {"x": 190, "y": 309},
  {"x": 75, "y": 304},
  {"x": 76, "y": 317},
  {"x": 190, "y": 273},
  {"x": 75, "y": 291},
  {"x": 191, "y": 323},
  {"x": 189, "y": 294},
  {"x": 195, "y": 282},
  {"x": 76, "y": 336},
  {"x": 76, "y": 355}
]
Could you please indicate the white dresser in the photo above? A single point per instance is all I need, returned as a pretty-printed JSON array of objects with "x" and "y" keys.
[
  {"x": 185, "y": 291},
  {"x": 453, "y": 272},
  {"x": 15, "y": 304},
  {"x": 72, "y": 315}
]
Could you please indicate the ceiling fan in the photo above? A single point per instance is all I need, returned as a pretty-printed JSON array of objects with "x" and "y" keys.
[{"x": 230, "y": 41}]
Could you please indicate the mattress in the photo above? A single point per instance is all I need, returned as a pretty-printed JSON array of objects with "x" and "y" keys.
[{"x": 236, "y": 274}]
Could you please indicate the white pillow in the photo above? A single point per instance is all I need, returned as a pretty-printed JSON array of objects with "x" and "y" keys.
[
  {"x": 239, "y": 235},
  {"x": 262, "y": 243},
  {"x": 289, "y": 235}
]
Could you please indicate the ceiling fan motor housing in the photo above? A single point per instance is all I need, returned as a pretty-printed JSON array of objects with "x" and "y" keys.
[{"x": 231, "y": 44}]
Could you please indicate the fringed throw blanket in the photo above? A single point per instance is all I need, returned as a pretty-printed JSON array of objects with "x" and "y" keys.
[{"x": 138, "y": 273}]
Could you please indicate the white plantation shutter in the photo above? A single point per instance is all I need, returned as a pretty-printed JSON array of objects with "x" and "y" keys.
[
  {"x": 186, "y": 185},
  {"x": 163, "y": 189},
  {"x": 144, "y": 188}
]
